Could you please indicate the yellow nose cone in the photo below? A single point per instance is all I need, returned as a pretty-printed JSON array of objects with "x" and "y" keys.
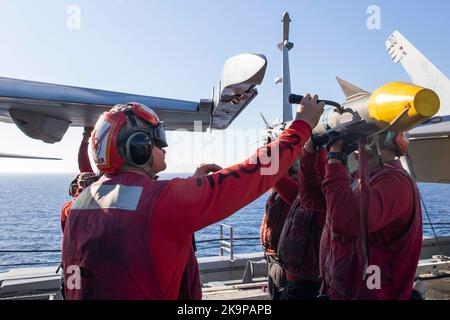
[{"x": 388, "y": 101}]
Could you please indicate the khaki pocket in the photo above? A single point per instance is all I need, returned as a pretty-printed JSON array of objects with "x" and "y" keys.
[{"x": 277, "y": 275}]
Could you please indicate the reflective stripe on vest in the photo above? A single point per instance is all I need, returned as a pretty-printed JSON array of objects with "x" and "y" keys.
[
  {"x": 106, "y": 246},
  {"x": 115, "y": 196}
]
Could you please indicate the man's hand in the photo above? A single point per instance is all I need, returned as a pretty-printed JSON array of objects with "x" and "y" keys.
[
  {"x": 337, "y": 146},
  {"x": 87, "y": 134},
  {"x": 205, "y": 169},
  {"x": 343, "y": 146},
  {"x": 309, "y": 110}
]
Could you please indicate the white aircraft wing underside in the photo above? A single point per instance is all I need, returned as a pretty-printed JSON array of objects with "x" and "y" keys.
[
  {"x": 429, "y": 150},
  {"x": 44, "y": 111},
  {"x": 22, "y": 156}
]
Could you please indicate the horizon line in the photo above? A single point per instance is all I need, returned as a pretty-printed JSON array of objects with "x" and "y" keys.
[{"x": 69, "y": 172}]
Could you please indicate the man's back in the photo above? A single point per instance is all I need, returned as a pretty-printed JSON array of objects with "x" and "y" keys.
[
  {"x": 394, "y": 234},
  {"x": 106, "y": 240}
]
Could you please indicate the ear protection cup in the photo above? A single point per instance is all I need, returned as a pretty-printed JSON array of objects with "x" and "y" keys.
[
  {"x": 110, "y": 146},
  {"x": 138, "y": 149},
  {"x": 397, "y": 141}
]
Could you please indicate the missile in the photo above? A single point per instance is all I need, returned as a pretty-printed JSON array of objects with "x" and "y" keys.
[
  {"x": 389, "y": 101},
  {"x": 395, "y": 106}
]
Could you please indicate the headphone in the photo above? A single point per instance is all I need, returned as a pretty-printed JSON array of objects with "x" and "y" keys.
[
  {"x": 397, "y": 141},
  {"x": 138, "y": 146}
]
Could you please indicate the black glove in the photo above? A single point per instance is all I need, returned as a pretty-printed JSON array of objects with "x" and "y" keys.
[
  {"x": 326, "y": 139},
  {"x": 331, "y": 137},
  {"x": 320, "y": 141},
  {"x": 348, "y": 144}
]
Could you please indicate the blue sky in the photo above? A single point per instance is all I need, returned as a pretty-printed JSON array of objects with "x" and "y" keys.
[{"x": 177, "y": 48}]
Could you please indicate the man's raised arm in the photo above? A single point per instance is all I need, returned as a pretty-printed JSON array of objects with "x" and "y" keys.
[{"x": 200, "y": 201}]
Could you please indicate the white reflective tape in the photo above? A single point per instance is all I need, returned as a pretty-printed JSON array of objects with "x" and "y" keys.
[
  {"x": 101, "y": 141},
  {"x": 115, "y": 196}
]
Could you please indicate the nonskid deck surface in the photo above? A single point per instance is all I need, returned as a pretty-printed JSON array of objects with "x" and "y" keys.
[
  {"x": 432, "y": 289},
  {"x": 43, "y": 285},
  {"x": 437, "y": 288},
  {"x": 253, "y": 291}
]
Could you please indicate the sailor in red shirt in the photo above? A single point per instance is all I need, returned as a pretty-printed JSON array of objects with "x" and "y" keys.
[
  {"x": 83, "y": 179},
  {"x": 272, "y": 225},
  {"x": 388, "y": 200},
  {"x": 128, "y": 235},
  {"x": 275, "y": 214},
  {"x": 300, "y": 240},
  {"x": 84, "y": 164}
]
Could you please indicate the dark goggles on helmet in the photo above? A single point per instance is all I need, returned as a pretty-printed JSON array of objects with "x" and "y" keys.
[
  {"x": 158, "y": 135},
  {"x": 138, "y": 145}
]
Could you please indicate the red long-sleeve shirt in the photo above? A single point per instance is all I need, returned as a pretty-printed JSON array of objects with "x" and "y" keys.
[
  {"x": 311, "y": 174},
  {"x": 84, "y": 165},
  {"x": 188, "y": 205},
  {"x": 273, "y": 221},
  {"x": 391, "y": 203},
  {"x": 394, "y": 222},
  {"x": 287, "y": 188},
  {"x": 309, "y": 184},
  {"x": 308, "y": 188}
]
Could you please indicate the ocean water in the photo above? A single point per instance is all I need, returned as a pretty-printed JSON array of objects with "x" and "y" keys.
[{"x": 30, "y": 219}]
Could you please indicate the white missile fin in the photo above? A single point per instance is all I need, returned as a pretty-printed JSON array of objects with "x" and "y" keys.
[{"x": 350, "y": 90}]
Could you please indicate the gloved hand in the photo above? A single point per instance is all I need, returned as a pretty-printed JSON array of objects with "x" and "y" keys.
[
  {"x": 331, "y": 138},
  {"x": 320, "y": 141},
  {"x": 326, "y": 139},
  {"x": 341, "y": 143}
]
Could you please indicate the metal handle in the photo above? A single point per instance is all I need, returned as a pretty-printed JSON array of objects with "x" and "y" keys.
[{"x": 295, "y": 98}]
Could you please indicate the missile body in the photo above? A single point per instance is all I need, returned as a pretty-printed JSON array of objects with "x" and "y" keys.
[{"x": 365, "y": 113}]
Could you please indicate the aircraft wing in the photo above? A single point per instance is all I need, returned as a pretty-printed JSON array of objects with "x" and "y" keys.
[
  {"x": 21, "y": 156},
  {"x": 44, "y": 111},
  {"x": 429, "y": 143},
  {"x": 429, "y": 150},
  {"x": 421, "y": 71}
]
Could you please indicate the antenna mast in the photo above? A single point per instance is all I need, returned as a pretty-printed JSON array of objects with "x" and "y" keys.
[{"x": 285, "y": 46}]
